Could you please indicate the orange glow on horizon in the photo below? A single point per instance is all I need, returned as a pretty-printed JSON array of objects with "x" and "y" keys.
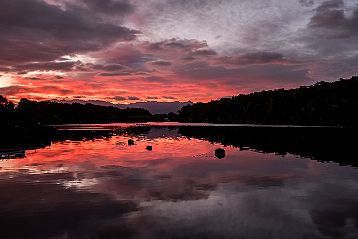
[{"x": 51, "y": 87}]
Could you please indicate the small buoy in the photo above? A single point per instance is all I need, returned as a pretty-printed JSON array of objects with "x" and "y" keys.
[
  {"x": 149, "y": 148},
  {"x": 220, "y": 153},
  {"x": 130, "y": 142}
]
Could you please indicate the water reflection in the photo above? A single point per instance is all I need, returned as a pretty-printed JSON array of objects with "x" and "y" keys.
[{"x": 92, "y": 184}]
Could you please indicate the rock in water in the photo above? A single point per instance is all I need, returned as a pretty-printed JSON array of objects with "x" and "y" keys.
[
  {"x": 130, "y": 142},
  {"x": 149, "y": 148},
  {"x": 220, "y": 153}
]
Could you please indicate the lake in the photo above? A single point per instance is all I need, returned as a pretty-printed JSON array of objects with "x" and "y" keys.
[{"x": 86, "y": 181}]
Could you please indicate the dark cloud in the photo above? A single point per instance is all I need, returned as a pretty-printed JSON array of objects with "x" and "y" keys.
[
  {"x": 13, "y": 90},
  {"x": 181, "y": 44},
  {"x": 169, "y": 97},
  {"x": 203, "y": 70},
  {"x": 253, "y": 58},
  {"x": 129, "y": 56},
  {"x": 189, "y": 58},
  {"x": 135, "y": 59},
  {"x": 79, "y": 101},
  {"x": 18, "y": 89},
  {"x": 103, "y": 69},
  {"x": 4, "y": 68},
  {"x": 79, "y": 96},
  {"x": 33, "y": 31},
  {"x": 331, "y": 38},
  {"x": 185, "y": 4},
  {"x": 152, "y": 98},
  {"x": 330, "y": 15},
  {"x": 133, "y": 98},
  {"x": 55, "y": 89},
  {"x": 123, "y": 98},
  {"x": 116, "y": 7},
  {"x": 261, "y": 57},
  {"x": 160, "y": 63},
  {"x": 45, "y": 66},
  {"x": 248, "y": 75},
  {"x": 109, "y": 67},
  {"x": 274, "y": 74},
  {"x": 156, "y": 79},
  {"x": 33, "y": 78},
  {"x": 119, "y": 98},
  {"x": 114, "y": 74},
  {"x": 204, "y": 52},
  {"x": 307, "y": 3}
]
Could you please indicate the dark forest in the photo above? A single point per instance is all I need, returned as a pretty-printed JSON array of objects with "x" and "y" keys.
[{"x": 324, "y": 103}]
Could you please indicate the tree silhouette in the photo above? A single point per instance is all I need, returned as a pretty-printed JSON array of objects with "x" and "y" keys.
[
  {"x": 324, "y": 103},
  {"x": 6, "y": 111},
  {"x": 31, "y": 113}
]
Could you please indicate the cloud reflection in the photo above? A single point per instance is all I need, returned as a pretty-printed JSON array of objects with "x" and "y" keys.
[{"x": 177, "y": 190}]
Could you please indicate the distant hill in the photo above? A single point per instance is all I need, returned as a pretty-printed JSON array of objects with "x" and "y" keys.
[
  {"x": 160, "y": 107},
  {"x": 153, "y": 107},
  {"x": 324, "y": 103}
]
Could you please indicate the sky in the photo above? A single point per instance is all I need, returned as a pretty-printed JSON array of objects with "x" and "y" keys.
[{"x": 126, "y": 51}]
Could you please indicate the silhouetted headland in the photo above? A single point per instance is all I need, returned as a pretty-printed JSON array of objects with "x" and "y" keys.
[
  {"x": 29, "y": 113},
  {"x": 324, "y": 103}
]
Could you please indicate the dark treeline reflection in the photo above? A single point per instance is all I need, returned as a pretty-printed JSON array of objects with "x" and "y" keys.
[
  {"x": 322, "y": 144},
  {"x": 40, "y": 137}
]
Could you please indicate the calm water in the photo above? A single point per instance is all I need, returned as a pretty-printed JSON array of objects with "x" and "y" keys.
[{"x": 87, "y": 182}]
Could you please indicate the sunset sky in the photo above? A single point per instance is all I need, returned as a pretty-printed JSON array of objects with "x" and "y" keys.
[{"x": 125, "y": 51}]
